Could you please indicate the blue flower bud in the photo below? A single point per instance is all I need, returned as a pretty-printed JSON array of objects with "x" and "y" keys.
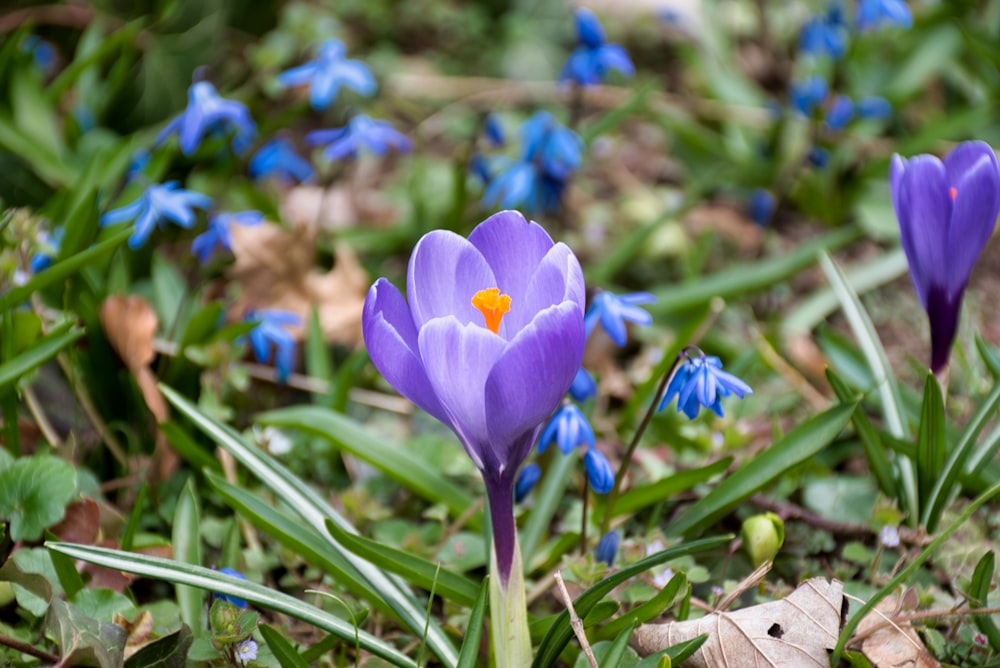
[
  {"x": 584, "y": 386},
  {"x": 599, "y": 471},
  {"x": 526, "y": 480},
  {"x": 238, "y": 602},
  {"x": 607, "y": 548}
]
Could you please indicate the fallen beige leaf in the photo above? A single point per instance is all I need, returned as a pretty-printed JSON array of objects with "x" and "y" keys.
[
  {"x": 889, "y": 641},
  {"x": 795, "y": 631}
]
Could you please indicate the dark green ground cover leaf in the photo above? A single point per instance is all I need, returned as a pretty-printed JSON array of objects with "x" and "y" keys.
[
  {"x": 169, "y": 651},
  {"x": 83, "y": 640},
  {"x": 34, "y": 493}
]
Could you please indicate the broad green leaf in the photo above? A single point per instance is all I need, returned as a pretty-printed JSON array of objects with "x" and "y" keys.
[
  {"x": 34, "y": 493},
  {"x": 186, "y": 545},
  {"x": 45, "y": 349},
  {"x": 47, "y": 165},
  {"x": 979, "y": 590},
  {"x": 33, "y": 578},
  {"x": 797, "y": 446},
  {"x": 283, "y": 650},
  {"x": 560, "y": 632},
  {"x": 209, "y": 580},
  {"x": 100, "y": 604},
  {"x": 474, "y": 631},
  {"x": 169, "y": 651},
  {"x": 432, "y": 577},
  {"x": 397, "y": 463},
  {"x": 885, "y": 379},
  {"x": 297, "y": 538},
  {"x": 930, "y": 447},
  {"x": 83, "y": 640},
  {"x": 661, "y": 490},
  {"x": 315, "y": 511},
  {"x": 35, "y": 116}
]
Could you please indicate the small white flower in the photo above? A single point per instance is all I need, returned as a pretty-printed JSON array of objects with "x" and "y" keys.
[
  {"x": 275, "y": 440},
  {"x": 246, "y": 650},
  {"x": 889, "y": 536}
]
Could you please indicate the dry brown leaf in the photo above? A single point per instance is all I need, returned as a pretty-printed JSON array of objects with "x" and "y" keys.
[
  {"x": 82, "y": 523},
  {"x": 336, "y": 207},
  {"x": 277, "y": 270},
  {"x": 887, "y": 642},
  {"x": 795, "y": 631},
  {"x": 138, "y": 633},
  {"x": 130, "y": 324}
]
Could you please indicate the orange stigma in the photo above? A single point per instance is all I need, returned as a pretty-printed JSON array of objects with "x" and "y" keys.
[
  {"x": 953, "y": 192},
  {"x": 493, "y": 305}
]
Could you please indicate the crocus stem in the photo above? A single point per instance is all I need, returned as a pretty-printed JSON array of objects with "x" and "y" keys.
[
  {"x": 609, "y": 506},
  {"x": 509, "y": 614}
]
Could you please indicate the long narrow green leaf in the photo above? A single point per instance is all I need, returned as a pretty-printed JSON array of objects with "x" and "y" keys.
[
  {"x": 549, "y": 494},
  {"x": 560, "y": 632},
  {"x": 964, "y": 457},
  {"x": 45, "y": 349},
  {"x": 315, "y": 511},
  {"x": 186, "y": 544},
  {"x": 283, "y": 650},
  {"x": 299, "y": 539},
  {"x": 797, "y": 446},
  {"x": 979, "y": 590},
  {"x": 885, "y": 379},
  {"x": 474, "y": 631},
  {"x": 398, "y": 464},
  {"x": 214, "y": 581},
  {"x": 647, "y": 611},
  {"x": 449, "y": 586},
  {"x": 661, "y": 490},
  {"x": 616, "y": 652},
  {"x": 878, "y": 460},
  {"x": 930, "y": 447},
  {"x": 677, "y": 653}
]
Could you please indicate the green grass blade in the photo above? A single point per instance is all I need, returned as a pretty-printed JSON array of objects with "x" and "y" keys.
[
  {"x": 871, "y": 441},
  {"x": 419, "y": 571},
  {"x": 676, "y": 653},
  {"x": 45, "y": 349},
  {"x": 315, "y": 511},
  {"x": 283, "y": 650},
  {"x": 885, "y": 379},
  {"x": 297, "y": 538},
  {"x": 616, "y": 652},
  {"x": 930, "y": 449},
  {"x": 186, "y": 544},
  {"x": 548, "y": 495},
  {"x": 797, "y": 446},
  {"x": 647, "y": 611},
  {"x": 661, "y": 490},
  {"x": 979, "y": 590},
  {"x": 560, "y": 632},
  {"x": 398, "y": 464},
  {"x": 474, "y": 631},
  {"x": 209, "y": 580}
]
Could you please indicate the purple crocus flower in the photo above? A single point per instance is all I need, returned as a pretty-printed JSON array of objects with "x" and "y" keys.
[
  {"x": 488, "y": 341},
  {"x": 328, "y": 73},
  {"x": 612, "y": 311},
  {"x": 377, "y": 136},
  {"x": 946, "y": 212},
  {"x": 208, "y": 111},
  {"x": 158, "y": 203},
  {"x": 594, "y": 57},
  {"x": 278, "y": 158},
  {"x": 216, "y": 237}
]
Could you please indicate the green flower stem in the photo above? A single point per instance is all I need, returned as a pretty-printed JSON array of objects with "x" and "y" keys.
[
  {"x": 925, "y": 554},
  {"x": 509, "y": 615}
]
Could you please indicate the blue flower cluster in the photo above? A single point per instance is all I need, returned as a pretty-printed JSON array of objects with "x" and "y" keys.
[
  {"x": 328, "y": 73},
  {"x": 272, "y": 332},
  {"x": 828, "y": 34},
  {"x": 208, "y": 113},
  {"x": 699, "y": 382},
  {"x": 593, "y": 58}
]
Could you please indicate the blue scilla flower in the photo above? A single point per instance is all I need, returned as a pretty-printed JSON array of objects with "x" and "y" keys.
[
  {"x": 568, "y": 428},
  {"x": 818, "y": 157},
  {"x": 594, "y": 57},
  {"x": 826, "y": 34},
  {"x": 877, "y": 13},
  {"x": 808, "y": 94},
  {"x": 526, "y": 480},
  {"x": 216, "y": 237},
  {"x": 762, "y": 205},
  {"x": 328, "y": 73},
  {"x": 137, "y": 164},
  {"x": 493, "y": 131},
  {"x": 43, "y": 54},
  {"x": 584, "y": 386},
  {"x": 208, "y": 112},
  {"x": 272, "y": 331},
  {"x": 238, "y": 602},
  {"x": 599, "y": 471},
  {"x": 377, "y": 136},
  {"x": 277, "y": 158},
  {"x": 555, "y": 148},
  {"x": 157, "y": 204},
  {"x": 613, "y": 311},
  {"x": 873, "y": 107},
  {"x": 839, "y": 113},
  {"x": 699, "y": 382},
  {"x": 607, "y": 548},
  {"x": 44, "y": 258}
]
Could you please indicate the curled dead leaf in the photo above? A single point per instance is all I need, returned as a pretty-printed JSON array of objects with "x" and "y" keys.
[
  {"x": 796, "y": 631},
  {"x": 277, "y": 270},
  {"x": 889, "y": 640}
]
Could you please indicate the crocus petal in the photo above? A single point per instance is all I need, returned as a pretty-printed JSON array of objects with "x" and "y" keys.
[
  {"x": 533, "y": 374},
  {"x": 924, "y": 199},
  {"x": 558, "y": 278},
  {"x": 444, "y": 273},
  {"x": 975, "y": 175},
  {"x": 457, "y": 358},
  {"x": 391, "y": 340}
]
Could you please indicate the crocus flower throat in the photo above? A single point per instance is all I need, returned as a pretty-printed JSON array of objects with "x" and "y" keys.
[{"x": 493, "y": 306}]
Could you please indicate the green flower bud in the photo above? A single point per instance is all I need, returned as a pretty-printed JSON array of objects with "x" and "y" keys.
[{"x": 763, "y": 536}]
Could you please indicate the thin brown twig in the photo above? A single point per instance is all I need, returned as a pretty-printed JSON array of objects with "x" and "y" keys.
[
  {"x": 25, "y": 648},
  {"x": 41, "y": 419},
  {"x": 575, "y": 622}
]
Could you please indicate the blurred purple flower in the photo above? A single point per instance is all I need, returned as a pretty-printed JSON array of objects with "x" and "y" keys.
[
  {"x": 360, "y": 132},
  {"x": 946, "y": 212},
  {"x": 526, "y": 480},
  {"x": 490, "y": 365},
  {"x": 157, "y": 204},
  {"x": 216, "y": 237},
  {"x": 699, "y": 382},
  {"x": 327, "y": 73},
  {"x": 594, "y": 57},
  {"x": 271, "y": 331},
  {"x": 877, "y": 13},
  {"x": 208, "y": 112},
  {"x": 808, "y": 94},
  {"x": 613, "y": 311},
  {"x": 607, "y": 548},
  {"x": 278, "y": 158}
]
